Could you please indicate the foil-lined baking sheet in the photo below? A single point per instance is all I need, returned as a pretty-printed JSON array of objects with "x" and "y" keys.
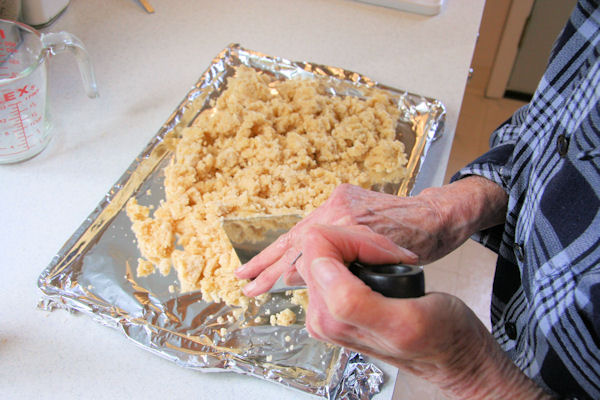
[{"x": 94, "y": 271}]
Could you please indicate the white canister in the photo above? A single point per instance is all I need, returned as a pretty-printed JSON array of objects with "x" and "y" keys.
[{"x": 39, "y": 13}]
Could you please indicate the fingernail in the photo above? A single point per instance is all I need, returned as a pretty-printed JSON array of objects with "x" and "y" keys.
[
  {"x": 324, "y": 271},
  {"x": 411, "y": 255},
  {"x": 249, "y": 287},
  {"x": 239, "y": 269}
]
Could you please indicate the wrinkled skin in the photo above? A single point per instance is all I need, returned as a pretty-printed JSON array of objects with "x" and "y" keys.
[
  {"x": 420, "y": 225},
  {"x": 436, "y": 337}
]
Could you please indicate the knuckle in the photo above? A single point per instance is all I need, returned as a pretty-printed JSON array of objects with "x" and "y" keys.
[
  {"x": 345, "y": 187},
  {"x": 312, "y": 233},
  {"x": 284, "y": 240},
  {"x": 339, "y": 196},
  {"x": 290, "y": 254}
]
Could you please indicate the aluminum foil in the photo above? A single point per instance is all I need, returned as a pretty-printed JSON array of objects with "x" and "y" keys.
[{"x": 93, "y": 272}]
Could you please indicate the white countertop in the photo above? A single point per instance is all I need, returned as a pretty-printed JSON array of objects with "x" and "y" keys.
[{"x": 145, "y": 64}]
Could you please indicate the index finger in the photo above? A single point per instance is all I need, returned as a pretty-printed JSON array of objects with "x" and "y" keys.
[
  {"x": 275, "y": 251},
  {"x": 265, "y": 258}
]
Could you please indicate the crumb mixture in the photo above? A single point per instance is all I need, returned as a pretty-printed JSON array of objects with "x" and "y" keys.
[
  {"x": 264, "y": 147},
  {"x": 284, "y": 318}
]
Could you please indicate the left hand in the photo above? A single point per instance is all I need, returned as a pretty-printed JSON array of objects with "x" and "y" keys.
[
  {"x": 411, "y": 219},
  {"x": 426, "y": 227}
]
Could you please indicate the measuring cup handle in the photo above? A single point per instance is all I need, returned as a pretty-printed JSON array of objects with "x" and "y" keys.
[{"x": 58, "y": 42}]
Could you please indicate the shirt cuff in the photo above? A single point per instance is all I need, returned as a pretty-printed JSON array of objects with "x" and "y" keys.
[{"x": 495, "y": 166}]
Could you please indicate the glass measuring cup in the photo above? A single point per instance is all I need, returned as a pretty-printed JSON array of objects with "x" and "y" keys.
[{"x": 24, "y": 125}]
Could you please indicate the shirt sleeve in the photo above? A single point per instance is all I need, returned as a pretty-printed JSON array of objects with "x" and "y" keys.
[{"x": 496, "y": 165}]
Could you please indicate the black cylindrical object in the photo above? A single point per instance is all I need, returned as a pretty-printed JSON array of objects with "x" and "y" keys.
[{"x": 391, "y": 280}]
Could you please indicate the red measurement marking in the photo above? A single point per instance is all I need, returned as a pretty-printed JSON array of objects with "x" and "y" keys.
[
  {"x": 19, "y": 127},
  {"x": 2, "y": 35}
]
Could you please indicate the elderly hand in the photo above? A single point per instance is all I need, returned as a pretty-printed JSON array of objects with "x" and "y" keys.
[
  {"x": 436, "y": 336},
  {"x": 426, "y": 227}
]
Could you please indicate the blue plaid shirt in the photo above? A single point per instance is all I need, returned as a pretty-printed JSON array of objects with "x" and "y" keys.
[{"x": 546, "y": 294}]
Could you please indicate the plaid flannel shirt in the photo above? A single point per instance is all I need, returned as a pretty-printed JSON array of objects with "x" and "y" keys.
[{"x": 546, "y": 295}]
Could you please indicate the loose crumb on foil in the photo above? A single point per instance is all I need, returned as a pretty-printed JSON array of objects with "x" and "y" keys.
[
  {"x": 300, "y": 298},
  {"x": 144, "y": 267},
  {"x": 265, "y": 146},
  {"x": 286, "y": 317}
]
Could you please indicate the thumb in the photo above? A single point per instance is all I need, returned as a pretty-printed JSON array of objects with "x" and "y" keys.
[{"x": 348, "y": 299}]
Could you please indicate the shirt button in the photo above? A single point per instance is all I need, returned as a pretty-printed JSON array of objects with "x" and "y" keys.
[
  {"x": 519, "y": 252},
  {"x": 562, "y": 145},
  {"x": 511, "y": 330}
]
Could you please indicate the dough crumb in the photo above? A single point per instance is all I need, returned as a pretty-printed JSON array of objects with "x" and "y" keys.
[
  {"x": 284, "y": 318},
  {"x": 144, "y": 268},
  {"x": 300, "y": 298}
]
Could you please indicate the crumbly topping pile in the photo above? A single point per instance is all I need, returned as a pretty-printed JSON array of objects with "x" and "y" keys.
[{"x": 264, "y": 147}]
